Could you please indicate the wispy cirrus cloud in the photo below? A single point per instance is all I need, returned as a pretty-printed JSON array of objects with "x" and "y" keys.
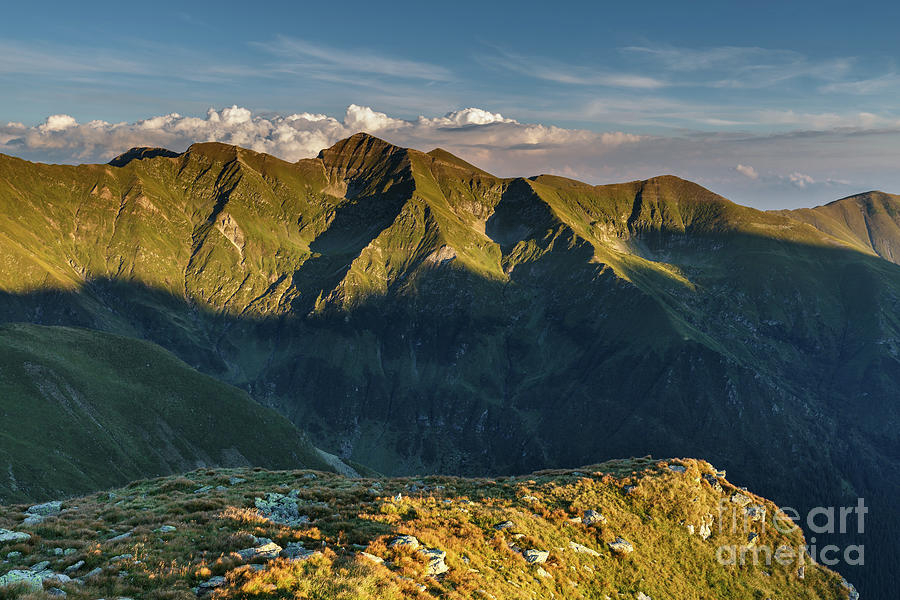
[
  {"x": 571, "y": 74},
  {"x": 293, "y": 54}
]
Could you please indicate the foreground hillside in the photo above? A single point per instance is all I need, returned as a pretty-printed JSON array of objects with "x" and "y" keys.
[
  {"x": 82, "y": 410},
  {"x": 416, "y": 314},
  {"x": 625, "y": 529}
]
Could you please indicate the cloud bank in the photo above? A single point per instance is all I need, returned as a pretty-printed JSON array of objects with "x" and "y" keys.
[{"x": 796, "y": 168}]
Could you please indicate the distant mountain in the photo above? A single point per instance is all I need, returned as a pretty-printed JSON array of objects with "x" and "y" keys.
[
  {"x": 415, "y": 313},
  {"x": 869, "y": 221},
  {"x": 83, "y": 410}
]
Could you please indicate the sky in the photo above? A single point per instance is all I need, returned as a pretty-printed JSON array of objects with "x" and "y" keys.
[{"x": 771, "y": 104}]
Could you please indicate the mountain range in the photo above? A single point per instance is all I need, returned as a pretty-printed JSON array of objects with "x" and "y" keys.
[{"x": 416, "y": 314}]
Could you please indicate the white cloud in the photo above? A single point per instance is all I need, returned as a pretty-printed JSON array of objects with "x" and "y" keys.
[
  {"x": 474, "y": 131},
  {"x": 747, "y": 171},
  {"x": 800, "y": 180},
  {"x": 57, "y": 123}
]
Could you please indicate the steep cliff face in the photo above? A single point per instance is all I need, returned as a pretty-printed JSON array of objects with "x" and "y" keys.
[{"x": 418, "y": 314}]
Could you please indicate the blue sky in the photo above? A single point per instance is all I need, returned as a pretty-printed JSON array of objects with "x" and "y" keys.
[{"x": 769, "y": 103}]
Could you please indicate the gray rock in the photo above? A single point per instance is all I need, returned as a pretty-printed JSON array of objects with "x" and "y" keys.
[
  {"x": 56, "y": 578},
  {"x": 281, "y": 510},
  {"x": 46, "y": 509},
  {"x": 74, "y": 567},
  {"x": 120, "y": 537},
  {"x": 755, "y": 512},
  {"x": 436, "y": 565},
  {"x": 535, "y": 557},
  {"x": 13, "y": 537},
  {"x": 40, "y": 566},
  {"x": 267, "y": 551},
  {"x": 504, "y": 525},
  {"x": 203, "y": 490},
  {"x": 542, "y": 572},
  {"x": 593, "y": 517},
  {"x": 13, "y": 555},
  {"x": 212, "y": 582},
  {"x": 375, "y": 559},
  {"x": 621, "y": 546},
  {"x": 851, "y": 591},
  {"x": 642, "y": 596},
  {"x": 33, "y": 520},
  {"x": 56, "y": 593},
  {"x": 93, "y": 573},
  {"x": 405, "y": 541},
  {"x": 121, "y": 557},
  {"x": 69, "y": 551},
  {"x": 752, "y": 538},
  {"x": 166, "y": 529},
  {"x": 677, "y": 468},
  {"x": 28, "y": 579},
  {"x": 296, "y": 551},
  {"x": 576, "y": 547},
  {"x": 740, "y": 499},
  {"x": 236, "y": 480},
  {"x": 712, "y": 481}
]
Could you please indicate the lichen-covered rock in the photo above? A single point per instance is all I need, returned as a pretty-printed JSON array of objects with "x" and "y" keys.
[
  {"x": 28, "y": 579},
  {"x": 268, "y": 550},
  {"x": 13, "y": 537},
  {"x": 281, "y": 510},
  {"x": 504, "y": 525},
  {"x": 46, "y": 509}
]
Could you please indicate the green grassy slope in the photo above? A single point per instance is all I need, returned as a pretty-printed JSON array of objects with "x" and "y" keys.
[
  {"x": 82, "y": 410},
  {"x": 659, "y": 507},
  {"x": 869, "y": 221}
]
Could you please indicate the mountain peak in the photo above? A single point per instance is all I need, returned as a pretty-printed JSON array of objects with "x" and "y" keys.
[
  {"x": 360, "y": 144},
  {"x": 140, "y": 153}
]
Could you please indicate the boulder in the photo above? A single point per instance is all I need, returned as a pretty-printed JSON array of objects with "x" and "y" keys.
[
  {"x": 46, "y": 509},
  {"x": 436, "y": 564},
  {"x": 212, "y": 582},
  {"x": 755, "y": 512},
  {"x": 28, "y": 579},
  {"x": 677, "y": 468},
  {"x": 56, "y": 593},
  {"x": 642, "y": 596},
  {"x": 166, "y": 529},
  {"x": 281, "y": 510},
  {"x": 576, "y": 547},
  {"x": 593, "y": 517},
  {"x": 371, "y": 557},
  {"x": 740, "y": 499},
  {"x": 504, "y": 525},
  {"x": 535, "y": 557},
  {"x": 405, "y": 541},
  {"x": 74, "y": 567},
  {"x": 296, "y": 551},
  {"x": 621, "y": 546},
  {"x": 13, "y": 537},
  {"x": 267, "y": 551}
]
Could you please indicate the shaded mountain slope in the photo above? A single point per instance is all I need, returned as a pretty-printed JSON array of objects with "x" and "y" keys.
[
  {"x": 417, "y": 314},
  {"x": 82, "y": 410}
]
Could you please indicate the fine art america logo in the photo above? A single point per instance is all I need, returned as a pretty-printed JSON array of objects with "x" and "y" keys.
[{"x": 749, "y": 520}]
